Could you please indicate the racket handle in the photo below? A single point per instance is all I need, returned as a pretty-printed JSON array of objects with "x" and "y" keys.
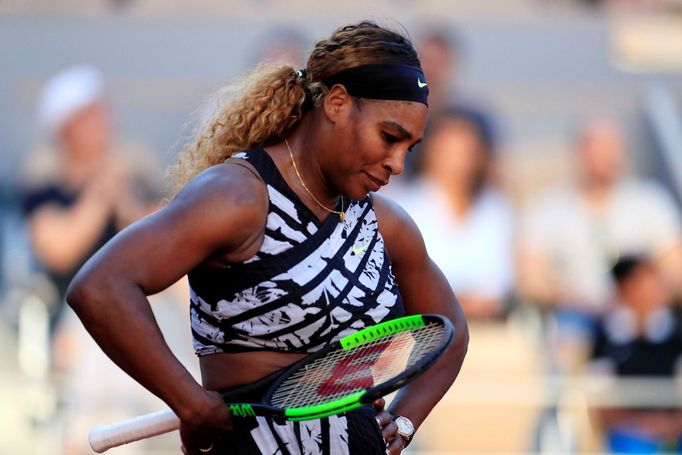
[{"x": 104, "y": 437}]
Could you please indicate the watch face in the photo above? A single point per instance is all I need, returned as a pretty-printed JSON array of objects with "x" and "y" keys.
[{"x": 405, "y": 427}]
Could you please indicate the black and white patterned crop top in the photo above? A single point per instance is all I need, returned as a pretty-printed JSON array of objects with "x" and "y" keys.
[{"x": 309, "y": 284}]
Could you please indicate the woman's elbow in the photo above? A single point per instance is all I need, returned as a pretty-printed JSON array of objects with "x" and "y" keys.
[{"x": 81, "y": 291}]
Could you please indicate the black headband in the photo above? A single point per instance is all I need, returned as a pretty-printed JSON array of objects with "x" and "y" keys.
[{"x": 384, "y": 81}]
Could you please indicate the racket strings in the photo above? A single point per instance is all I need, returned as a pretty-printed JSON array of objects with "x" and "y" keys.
[{"x": 343, "y": 372}]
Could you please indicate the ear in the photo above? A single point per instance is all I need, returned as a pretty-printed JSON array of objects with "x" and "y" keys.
[{"x": 336, "y": 103}]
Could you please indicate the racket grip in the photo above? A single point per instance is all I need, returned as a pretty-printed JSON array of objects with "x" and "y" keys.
[{"x": 104, "y": 437}]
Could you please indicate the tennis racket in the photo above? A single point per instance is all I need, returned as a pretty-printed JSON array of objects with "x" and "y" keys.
[{"x": 349, "y": 373}]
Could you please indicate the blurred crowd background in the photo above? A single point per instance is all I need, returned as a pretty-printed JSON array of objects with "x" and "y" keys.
[{"x": 548, "y": 188}]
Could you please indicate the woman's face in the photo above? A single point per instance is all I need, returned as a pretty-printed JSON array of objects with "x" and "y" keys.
[
  {"x": 371, "y": 144},
  {"x": 455, "y": 154},
  {"x": 87, "y": 135}
]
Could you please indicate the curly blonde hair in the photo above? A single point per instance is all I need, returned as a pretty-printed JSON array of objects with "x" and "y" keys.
[{"x": 271, "y": 100}]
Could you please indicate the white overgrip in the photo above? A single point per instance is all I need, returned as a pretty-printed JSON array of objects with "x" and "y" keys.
[{"x": 104, "y": 437}]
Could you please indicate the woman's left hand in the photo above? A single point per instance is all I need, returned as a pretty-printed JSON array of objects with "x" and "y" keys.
[{"x": 389, "y": 430}]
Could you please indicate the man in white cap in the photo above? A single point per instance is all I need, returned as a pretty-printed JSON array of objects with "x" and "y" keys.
[
  {"x": 83, "y": 190},
  {"x": 88, "y": 194}
]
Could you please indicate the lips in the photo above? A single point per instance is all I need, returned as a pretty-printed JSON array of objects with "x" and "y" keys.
[{"x": 377, "y": 182}]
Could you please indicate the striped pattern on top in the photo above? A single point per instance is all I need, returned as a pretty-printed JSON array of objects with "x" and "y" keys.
[{"x": 309, "y": 284}]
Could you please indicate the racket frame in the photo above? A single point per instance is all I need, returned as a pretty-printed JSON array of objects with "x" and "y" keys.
[{"x": 367, "y": 396}]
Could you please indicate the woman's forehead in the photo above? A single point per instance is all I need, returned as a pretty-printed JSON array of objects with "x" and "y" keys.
[{"x": 409, "y": 116}]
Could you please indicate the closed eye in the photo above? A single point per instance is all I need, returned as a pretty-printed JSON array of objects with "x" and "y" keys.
[{"x": 391, "y": 139}]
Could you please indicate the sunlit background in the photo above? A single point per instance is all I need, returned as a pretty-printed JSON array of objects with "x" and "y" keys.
[{"x": 543, "y": 89}]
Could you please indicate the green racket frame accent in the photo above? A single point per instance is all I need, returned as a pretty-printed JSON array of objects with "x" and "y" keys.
[
  {"x": 242, "y": 410},
  {"x": 380, "y": 330},
  {"x": 325, "y": 410}
]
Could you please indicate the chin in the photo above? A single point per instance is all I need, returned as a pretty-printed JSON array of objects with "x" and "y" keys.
[
  {"x": 357, "y": 189},
  {"x": 358, "y": 195}
]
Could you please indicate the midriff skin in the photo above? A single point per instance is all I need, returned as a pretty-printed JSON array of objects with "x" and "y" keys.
[{"x": 222, "y": 370}]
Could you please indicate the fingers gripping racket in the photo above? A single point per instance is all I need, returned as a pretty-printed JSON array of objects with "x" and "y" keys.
[{"x": 349, "y": 373}]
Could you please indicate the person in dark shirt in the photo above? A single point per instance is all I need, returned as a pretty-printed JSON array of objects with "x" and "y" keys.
[
  {"x": 88, "y": 192},
  {"x": 639, "y": 337}
]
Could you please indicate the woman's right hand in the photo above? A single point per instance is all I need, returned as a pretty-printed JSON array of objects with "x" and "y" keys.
[{"x": 204, "y": 424}]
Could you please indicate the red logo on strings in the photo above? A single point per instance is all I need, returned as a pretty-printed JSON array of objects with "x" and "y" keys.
[{"x": 353, "y": 372}]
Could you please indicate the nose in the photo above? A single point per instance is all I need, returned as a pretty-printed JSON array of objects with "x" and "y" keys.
[{"x": 395, "y": 162}]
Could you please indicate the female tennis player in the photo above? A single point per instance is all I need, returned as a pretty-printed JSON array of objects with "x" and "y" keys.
[{"x": 287, "y": 247}]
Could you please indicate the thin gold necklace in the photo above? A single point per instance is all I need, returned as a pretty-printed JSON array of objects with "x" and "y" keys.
[{"x": 342, "y": 214}]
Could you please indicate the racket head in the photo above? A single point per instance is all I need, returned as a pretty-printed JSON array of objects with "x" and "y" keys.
[{"x": 360, "y": 367}]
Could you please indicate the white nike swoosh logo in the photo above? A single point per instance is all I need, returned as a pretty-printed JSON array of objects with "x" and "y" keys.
[
  {"x": 360, "y": 250},
  {"x": 421, "y": 84}
]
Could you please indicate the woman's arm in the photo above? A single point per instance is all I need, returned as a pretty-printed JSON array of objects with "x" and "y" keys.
[
  {"x": 221, "y": 213},
  {"x": 425, "y": 290}
]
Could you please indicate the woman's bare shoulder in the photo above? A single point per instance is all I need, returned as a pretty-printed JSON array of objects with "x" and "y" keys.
[{"x": 227, "y": 185}]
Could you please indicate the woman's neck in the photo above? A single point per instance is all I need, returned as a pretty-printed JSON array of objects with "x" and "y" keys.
[{"x": 305, "y": 169}]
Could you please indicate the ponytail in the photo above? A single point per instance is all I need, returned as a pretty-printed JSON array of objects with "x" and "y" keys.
[{"x": 270, "y": 101}]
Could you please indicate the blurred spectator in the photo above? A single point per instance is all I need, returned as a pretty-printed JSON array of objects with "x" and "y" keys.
[
  {"x": 639, "y": 337},
  {"x": 440, "y": 54},
  {"x": 465, "y": 219},
  {"x": 82, "y": 192},
  {"x": 572, "y": 235}
]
